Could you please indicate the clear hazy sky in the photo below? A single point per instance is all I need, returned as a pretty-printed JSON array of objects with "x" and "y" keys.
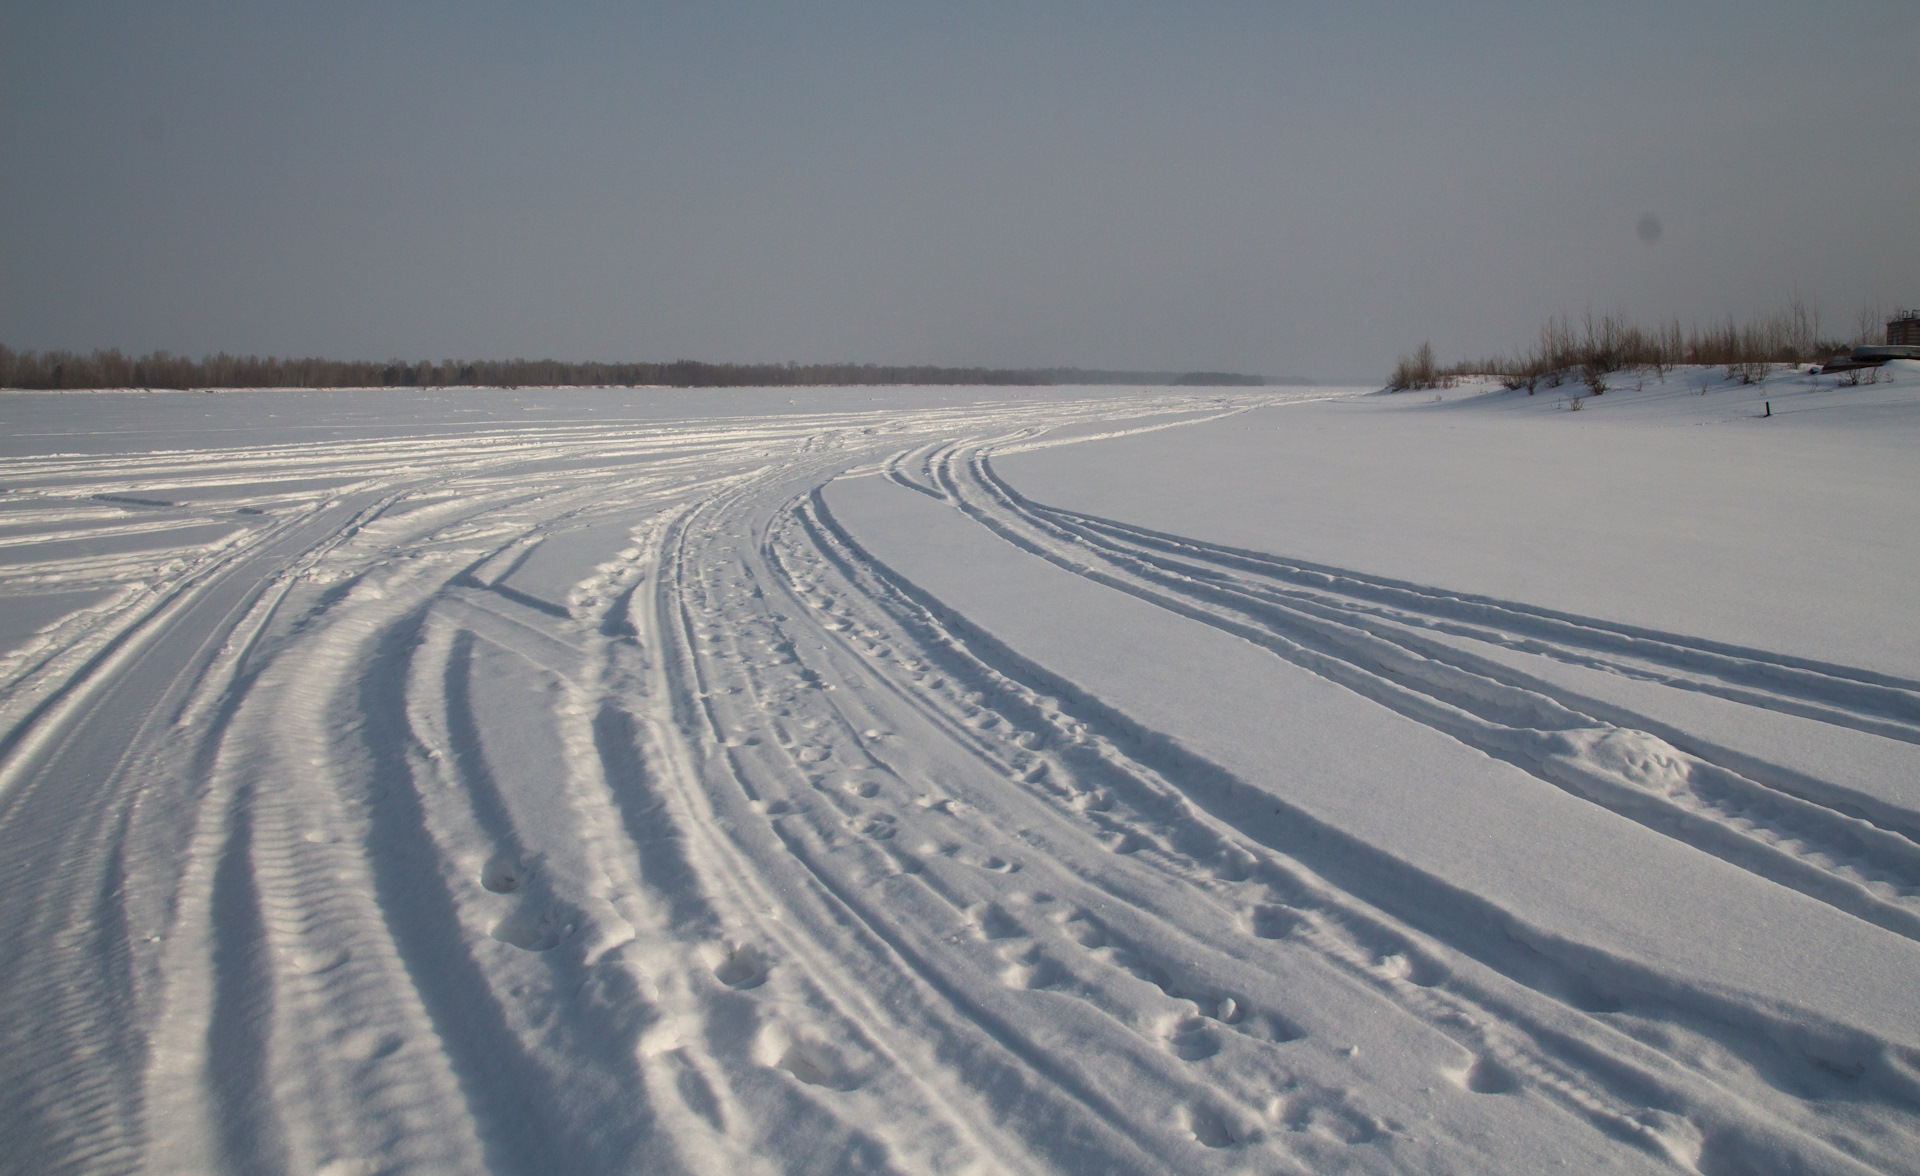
[{"x": 1294, "y": 189}]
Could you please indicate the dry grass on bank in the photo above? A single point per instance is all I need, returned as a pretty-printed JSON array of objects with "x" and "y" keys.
[{"x": 1588, "y": 351}]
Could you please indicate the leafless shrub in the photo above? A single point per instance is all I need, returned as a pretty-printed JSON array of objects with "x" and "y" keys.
[
  {"x": 1602, "y": 344},
  {"x": 1595, "y": 377},
  {"x": 1415, "y": 371}
]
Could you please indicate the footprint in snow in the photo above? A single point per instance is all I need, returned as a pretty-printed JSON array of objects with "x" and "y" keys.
[
  {"x": 861, "y": 784},
  {"x": 1212, "y": 1128},
  {"x": 1235, "y": 865},
  {"x": 904, "y": 862},
  {"x": 740, "y": 966},
  {"x": 994, "y": 922},
  {"x": 531, "y": 931},
  {"x": 1192, "y": 1039},
  {"x": 1324, "y": 1116},
  {"x": 1257, "y": 1025},
  {"x": 1485, "y": 1075},
  {"x": 810, "y": 1057},
  {"x": 1084, "y": 929},
  {"x": 1270, "y": 921},
  {"x": 505, "y": 873},
  {"x": 879, "y": 826},
  {"x": 1091, "y": 802},
  {"x": 1406, "y": 965},
  {"x": 1033, "y": 970}
]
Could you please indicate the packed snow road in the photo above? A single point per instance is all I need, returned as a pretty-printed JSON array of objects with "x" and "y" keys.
[{"x": 636, "y": 782}]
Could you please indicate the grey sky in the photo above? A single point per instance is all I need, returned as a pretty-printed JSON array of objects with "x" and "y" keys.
[{"x": 1292, "y": 189}]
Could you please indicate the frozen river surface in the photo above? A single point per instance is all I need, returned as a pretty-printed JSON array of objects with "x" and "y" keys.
[{"x": 961, "y": 781}]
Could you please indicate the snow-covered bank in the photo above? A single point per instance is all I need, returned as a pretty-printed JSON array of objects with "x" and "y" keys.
[{"x": 1239, "y": 781}]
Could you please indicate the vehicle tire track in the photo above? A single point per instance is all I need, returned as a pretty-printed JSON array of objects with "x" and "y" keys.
[
  {"x": 1579, "y": 1091},
  {"x": 1832, "y": 856}
]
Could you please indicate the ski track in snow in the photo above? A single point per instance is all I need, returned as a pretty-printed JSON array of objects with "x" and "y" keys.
[{"x": 588, "y": 799}]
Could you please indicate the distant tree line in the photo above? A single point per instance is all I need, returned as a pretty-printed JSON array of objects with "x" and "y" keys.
[
  {"x": 1069, "y": 375},
  {"x": 1594, "y": 347},
  {"x": 159, "y": 369}
]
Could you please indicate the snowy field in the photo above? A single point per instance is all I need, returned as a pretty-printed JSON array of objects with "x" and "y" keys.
[{"x": 962, "y": 780}]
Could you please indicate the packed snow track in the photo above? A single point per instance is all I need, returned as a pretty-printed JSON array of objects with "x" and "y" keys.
[{"x": 609, "y": 789}]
